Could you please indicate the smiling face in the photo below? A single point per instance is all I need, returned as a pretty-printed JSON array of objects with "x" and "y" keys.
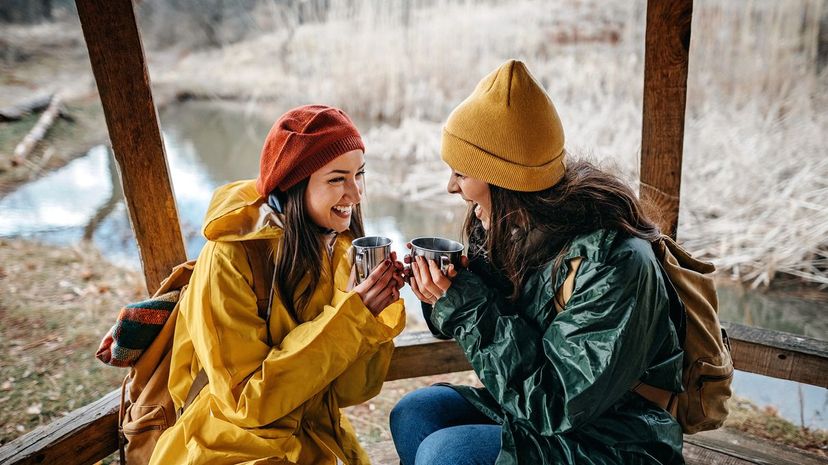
[
  {"x": 334, "y": 190},
  {"x": 474, "y": 191}
]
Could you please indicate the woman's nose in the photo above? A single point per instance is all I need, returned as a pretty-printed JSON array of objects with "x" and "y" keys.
[
  {"x": 353, "y": 191},
  {"x": 452, "y": 187}
]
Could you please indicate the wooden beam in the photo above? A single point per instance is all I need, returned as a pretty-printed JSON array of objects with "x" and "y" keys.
[
  {"x": 88, "y": 434},
  {"x": 666, "y": 52},
  {"x": 779, "y": 355},
  {"x": 420, "y": 354},
  {"x": 82, "y": 437},
  {"x": 726, "y": 446},
  {"x": 120, "y": 69},
  {"x": 720, "y": 447}
]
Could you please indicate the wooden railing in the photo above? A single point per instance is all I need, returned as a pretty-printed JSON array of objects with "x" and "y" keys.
[{"x": 89, "y": 433}]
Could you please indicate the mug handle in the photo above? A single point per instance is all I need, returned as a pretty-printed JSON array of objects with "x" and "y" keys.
[{"x": 359, "y": 263}]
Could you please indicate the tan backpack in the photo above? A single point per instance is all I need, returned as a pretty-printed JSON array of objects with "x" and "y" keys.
[
  {"x": 708, "y": 368},
  {"x": 147, "y": 408}
]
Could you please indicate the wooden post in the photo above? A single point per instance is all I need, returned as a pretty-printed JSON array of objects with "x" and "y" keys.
[
  {"x": 118, "y": 63},
  {"x": 666, "y": 54}
]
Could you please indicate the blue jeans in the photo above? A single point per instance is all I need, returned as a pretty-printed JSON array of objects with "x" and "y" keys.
[{"x": 437, "y": 426}]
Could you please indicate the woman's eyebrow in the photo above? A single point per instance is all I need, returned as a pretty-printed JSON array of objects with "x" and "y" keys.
[{"x": 346, "y": 171}]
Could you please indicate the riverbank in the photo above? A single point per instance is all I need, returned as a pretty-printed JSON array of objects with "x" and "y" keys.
[{"x": 48, "y": 59}]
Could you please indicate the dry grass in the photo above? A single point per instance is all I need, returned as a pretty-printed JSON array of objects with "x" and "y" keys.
[
  {"x": 55, "y": 306},
  {"x": 766, "y": 423},
  {"x": 755, "y": 165}
]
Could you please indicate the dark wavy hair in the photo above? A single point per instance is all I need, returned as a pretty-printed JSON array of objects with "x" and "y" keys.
[
  {"x": 586, "y": 199},
  {"x": 302, "y": 249}
]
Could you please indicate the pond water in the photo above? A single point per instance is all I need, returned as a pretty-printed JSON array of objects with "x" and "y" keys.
[{"x": 208, "y": 145}]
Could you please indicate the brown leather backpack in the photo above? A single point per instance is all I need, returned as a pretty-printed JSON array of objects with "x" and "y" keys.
[
  {"x": 146, "y": 405},
  {"x": 708, "y": 368}
]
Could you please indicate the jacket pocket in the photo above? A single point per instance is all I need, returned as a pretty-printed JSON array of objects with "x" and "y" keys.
[{"x": 143, "y": 425}]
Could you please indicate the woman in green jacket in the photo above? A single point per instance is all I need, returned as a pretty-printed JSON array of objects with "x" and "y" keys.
[{"x": 559, "y": 371}]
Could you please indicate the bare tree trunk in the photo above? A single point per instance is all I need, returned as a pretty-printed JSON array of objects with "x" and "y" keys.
[{"x": 38, "y": 132}]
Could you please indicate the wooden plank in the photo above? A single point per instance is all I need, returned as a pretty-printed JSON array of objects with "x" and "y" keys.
[
  {"x": 666, "y": 52},
  {"x": 720, "y": 447},
  {"x": 420, "y": 354},
  {"x": 779, "y": 355},
  {"x": 695, "y": 455},
  {"x": 89, "y": 432},
  {"x": 82, "y": 437},
  {"x": 742, "y": 448},
  {"x": 118, "y": 63}
]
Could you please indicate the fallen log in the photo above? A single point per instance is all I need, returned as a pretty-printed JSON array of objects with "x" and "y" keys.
[
  {"x": 37, "y": 133},
  {"x": 19, "y": 110}
]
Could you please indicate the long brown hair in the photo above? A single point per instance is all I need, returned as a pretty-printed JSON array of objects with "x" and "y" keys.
[
  {"x": 586, "y": 199},
  {"x": 302, "y": 249}
]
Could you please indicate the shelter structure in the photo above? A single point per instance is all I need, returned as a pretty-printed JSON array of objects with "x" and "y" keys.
[{"x": 89, "y": 433}]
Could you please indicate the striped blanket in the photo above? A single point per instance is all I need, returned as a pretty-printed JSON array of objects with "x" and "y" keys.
[{"x": 136, "y": 327}]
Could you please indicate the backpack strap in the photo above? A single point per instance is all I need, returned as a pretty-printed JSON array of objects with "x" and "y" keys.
[
  {"x": 259, "y": 257},
  {"x": 199, "y": 382}
]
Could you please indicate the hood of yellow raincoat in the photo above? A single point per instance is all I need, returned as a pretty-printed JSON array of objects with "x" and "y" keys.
[{"x": 238, "y": 213}]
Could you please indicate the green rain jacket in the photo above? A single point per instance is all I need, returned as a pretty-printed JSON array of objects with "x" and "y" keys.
[{"x": 559, "y": 384}]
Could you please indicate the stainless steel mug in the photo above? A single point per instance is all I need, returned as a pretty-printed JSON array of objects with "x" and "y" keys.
[
  {"x": 442, "y": 251},
  {"x": 369, "y": 251}
]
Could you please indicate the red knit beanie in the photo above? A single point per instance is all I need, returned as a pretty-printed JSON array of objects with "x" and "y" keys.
[{"x": 302, "y": 141}]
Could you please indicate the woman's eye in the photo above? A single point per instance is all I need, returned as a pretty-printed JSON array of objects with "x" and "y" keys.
[
  {"x": 458, "y": 175},
  {"x": 336, "y": 180},
  {"x": 360, "y": 174}
]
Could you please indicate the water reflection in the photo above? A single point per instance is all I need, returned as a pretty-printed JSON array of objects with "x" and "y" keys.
[{"x": 208, "y": 146}]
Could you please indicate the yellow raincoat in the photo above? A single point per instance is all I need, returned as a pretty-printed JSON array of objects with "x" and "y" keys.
[{"x": 266, "y": 404}]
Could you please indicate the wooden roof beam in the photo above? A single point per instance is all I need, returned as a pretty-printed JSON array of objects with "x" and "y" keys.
[
  {"x": 667, "y": 48},
  {"x": 120, "y": 69}
]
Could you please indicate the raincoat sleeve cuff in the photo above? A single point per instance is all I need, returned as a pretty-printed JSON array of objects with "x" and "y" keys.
[
  {"x": 377, "y": 330},
  {"x": 466, "y": 294}
]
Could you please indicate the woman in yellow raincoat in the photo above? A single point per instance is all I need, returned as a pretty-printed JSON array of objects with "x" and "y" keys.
[{"x": 331, "y": 341}]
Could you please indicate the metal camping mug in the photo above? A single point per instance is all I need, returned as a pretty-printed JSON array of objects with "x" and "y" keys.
[
  {"x": 369, "y": 251},
  {"x": 443, "y": 251}
]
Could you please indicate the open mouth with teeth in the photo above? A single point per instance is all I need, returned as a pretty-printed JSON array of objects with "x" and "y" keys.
[{"x": 343, "y": 211}]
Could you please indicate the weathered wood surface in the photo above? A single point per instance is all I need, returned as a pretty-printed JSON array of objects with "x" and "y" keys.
[
  {"x": 779, "y": 355},
  {"x": 666, "y": 52},
  {"x": 118, "y": 63},
  {"x": 84, "y": 436},
  {"x": 725, "y": 443},
  {"x": 420, "y": 354},
  {"x": 720, "y": 447},
  {"x": 89, "y": 432}
]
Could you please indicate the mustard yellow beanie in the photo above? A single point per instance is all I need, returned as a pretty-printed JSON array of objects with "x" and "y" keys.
[{"x": 506, "y": 133}]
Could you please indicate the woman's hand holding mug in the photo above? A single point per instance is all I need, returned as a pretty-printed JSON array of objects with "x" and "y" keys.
[
  {"x": 382, "y": 286},
  {"x": 426, "y": 279}
]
